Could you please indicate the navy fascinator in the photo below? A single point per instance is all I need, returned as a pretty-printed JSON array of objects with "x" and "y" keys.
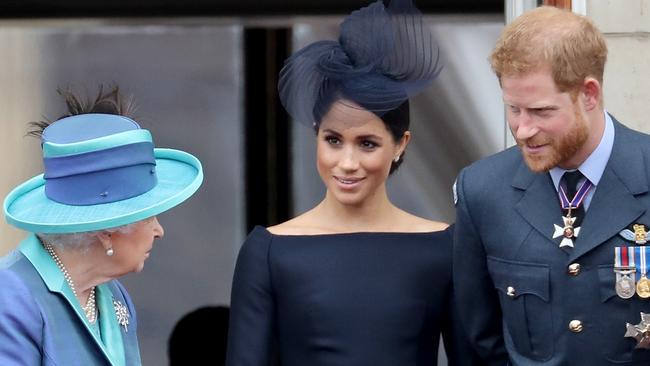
[{"x": 384, "y": 56}]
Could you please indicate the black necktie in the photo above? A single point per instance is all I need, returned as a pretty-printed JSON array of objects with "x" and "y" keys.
[{"x": 569, "y": 182}]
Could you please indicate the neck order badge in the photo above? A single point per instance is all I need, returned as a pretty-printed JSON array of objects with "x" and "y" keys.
[{"x": 568, "y": 232}]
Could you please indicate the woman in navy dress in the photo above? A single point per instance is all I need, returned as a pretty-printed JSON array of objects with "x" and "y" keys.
[{"x": 355, "y": 280}]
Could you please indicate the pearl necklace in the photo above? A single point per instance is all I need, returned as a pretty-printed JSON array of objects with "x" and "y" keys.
[{"x": 90, "y": 309}]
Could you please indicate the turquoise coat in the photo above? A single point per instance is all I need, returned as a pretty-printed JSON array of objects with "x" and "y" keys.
[{"x": 42, "y": 323}]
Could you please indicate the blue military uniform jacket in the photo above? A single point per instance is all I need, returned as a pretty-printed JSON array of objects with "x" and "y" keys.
[
  {"x": 42, "y": 324},
  {"x": 518, "y": 292}
]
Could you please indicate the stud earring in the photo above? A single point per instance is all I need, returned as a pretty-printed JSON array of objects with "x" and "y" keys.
[
  {"x": 396, "y": 159},
  {"x": 110, "y": 252}
]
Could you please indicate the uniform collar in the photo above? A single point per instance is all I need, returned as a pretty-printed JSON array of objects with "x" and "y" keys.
[{"x": 594, "y": 166}]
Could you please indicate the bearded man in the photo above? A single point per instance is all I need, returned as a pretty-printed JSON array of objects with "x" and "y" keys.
[{"x": 550, "y": 256}]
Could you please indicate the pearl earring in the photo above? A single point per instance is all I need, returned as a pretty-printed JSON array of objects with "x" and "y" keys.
[
  {"x": 396, "y": 159},
  {"x": 110, "y": 252}
]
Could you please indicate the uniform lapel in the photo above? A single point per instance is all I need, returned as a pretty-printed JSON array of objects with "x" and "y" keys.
[
  {"x": 614, "y": 205},
  {"x": 539, "y": 204}
]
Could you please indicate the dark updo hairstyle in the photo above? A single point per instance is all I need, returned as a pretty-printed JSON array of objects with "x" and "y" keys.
[
  {"x": 385, "y": 54},
  {"x": 396, "y": 121}
]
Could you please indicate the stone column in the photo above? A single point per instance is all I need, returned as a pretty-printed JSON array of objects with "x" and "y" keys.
[{"x": 626, "y": 25}]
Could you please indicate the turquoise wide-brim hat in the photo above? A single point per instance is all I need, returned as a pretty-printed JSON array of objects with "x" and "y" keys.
[{"x": 101, "y": 171}]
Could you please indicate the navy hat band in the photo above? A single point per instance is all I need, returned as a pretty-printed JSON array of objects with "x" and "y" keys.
[{"x": 102, "y": 176}]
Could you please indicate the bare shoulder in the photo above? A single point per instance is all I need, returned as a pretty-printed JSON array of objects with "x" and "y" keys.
[{"x": 419, "y": 224}]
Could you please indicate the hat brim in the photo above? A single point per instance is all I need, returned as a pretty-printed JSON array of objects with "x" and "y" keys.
[{"x": 179, "y": 175}]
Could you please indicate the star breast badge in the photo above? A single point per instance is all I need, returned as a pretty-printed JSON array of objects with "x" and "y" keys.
[{"x": 640, "y": 332}]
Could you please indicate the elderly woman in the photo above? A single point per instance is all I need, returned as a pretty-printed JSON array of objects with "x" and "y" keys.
[{"x": 92, "y": 219}]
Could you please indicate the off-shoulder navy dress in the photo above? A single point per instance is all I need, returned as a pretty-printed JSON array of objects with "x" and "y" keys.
[{"x": 356, "y": 299}]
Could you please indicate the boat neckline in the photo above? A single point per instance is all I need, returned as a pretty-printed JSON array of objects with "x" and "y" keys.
[{"x": 351, "y": 233}]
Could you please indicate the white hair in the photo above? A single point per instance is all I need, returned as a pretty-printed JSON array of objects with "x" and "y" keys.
[{"x": 81, "y": 241}]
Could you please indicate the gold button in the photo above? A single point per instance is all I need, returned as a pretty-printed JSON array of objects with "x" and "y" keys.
[
  {"x": 510, "y": 291},
  {"x": 575, "y": 326},
  {"x": 574, "y": 269}
]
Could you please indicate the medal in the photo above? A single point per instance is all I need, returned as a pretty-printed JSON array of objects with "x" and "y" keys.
[
  {"x": 640, "y": 332},
  {"x": 568, "y": 232},
  {"x": 625, "y": 272},
  {"x": 625, "y": 286},
  {"x": 643, "y": 286}
]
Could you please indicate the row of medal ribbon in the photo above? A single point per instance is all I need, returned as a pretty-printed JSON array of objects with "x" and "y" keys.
[{"x": 629, "y": 264}]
